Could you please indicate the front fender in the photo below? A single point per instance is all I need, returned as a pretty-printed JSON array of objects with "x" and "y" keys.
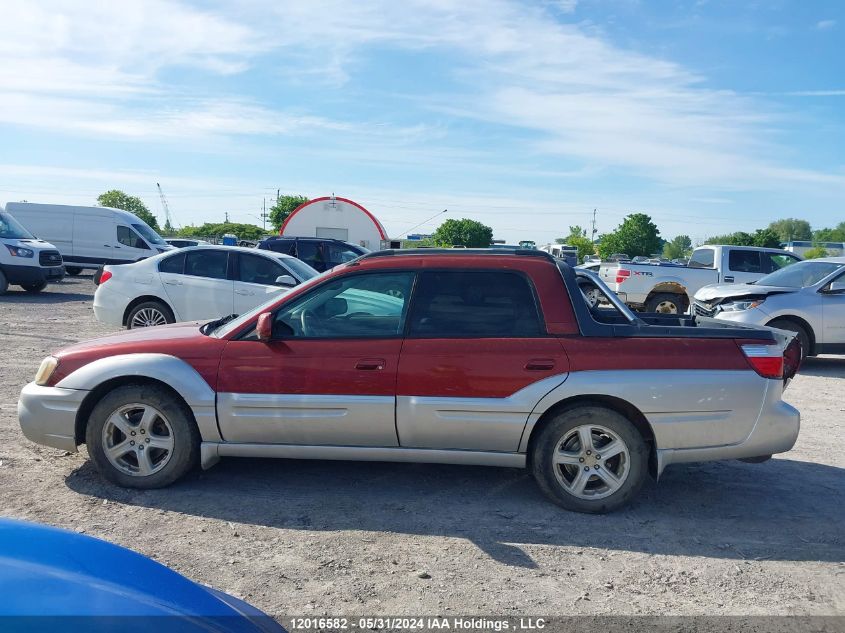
[{"x": 172, "y": 371}]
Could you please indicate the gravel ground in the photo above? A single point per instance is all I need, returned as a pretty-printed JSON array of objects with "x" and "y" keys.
[{"x": 302, "y": 538}]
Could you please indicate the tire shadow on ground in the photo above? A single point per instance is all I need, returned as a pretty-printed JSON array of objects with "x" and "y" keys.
[{"x": 778, "y": 510}]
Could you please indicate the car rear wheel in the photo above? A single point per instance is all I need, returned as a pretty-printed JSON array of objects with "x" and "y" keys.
[
  {"x": 34, "y": 287},
  {"x": 800, "y": 331},
  {"x": 590, "y": 459},
  {"x": 4, "y": 283},
  {"x": 73, "y": 271},
  {"x": 148, "y": 314},
  {"x": 667, "y": 303},
  {"x": 141, "y": 436}
]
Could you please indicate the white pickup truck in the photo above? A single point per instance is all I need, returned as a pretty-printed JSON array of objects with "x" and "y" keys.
[{"x": 669, "y": 288}]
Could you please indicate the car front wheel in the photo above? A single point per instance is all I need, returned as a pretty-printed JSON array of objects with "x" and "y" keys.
[
  {"x": 142, "y": 436},
  {"x": 590, "y": 459}
]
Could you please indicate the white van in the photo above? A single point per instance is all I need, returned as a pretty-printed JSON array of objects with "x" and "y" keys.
[
  {"x": 26, "y": 261},
  {"x": 88, "y": 237}
]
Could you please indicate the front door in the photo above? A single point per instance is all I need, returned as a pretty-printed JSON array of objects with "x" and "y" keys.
[
  {"x": 475, "y": 362},
  {"x": 833, "y": 318},
  {"x": 255, "y": 281},
  {"x": 328, "y": 377},
  {"x": 130, "y": 247}
]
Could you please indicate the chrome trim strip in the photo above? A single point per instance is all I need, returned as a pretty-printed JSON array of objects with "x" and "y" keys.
[{"x": 211, "y": 451}]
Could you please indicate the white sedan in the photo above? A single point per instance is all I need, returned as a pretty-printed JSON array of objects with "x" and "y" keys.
[{"x": 193, "y": 284}]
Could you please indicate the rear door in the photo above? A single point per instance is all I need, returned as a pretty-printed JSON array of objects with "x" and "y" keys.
[
  {"x": 203, "y": 290},
  {"x": 94, "y": 238},
  {"x": 255, "y": 280},
  {"x": 475, "y": 361},
  {"x": 744, "y": 265}
]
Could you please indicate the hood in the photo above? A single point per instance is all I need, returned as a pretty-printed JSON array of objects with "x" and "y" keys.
[
  {"x": 718, "y": 293},
  {"x": 33, "y": 243},
  {"x": 163, "y": 335},
  {"x": 52, "y": 572}
]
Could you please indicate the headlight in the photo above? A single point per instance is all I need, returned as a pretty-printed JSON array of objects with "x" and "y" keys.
[
  {"x": 19, "y": 251},
  {"x": 48, "y": 366},
  {"x": 739, "y": 306}
]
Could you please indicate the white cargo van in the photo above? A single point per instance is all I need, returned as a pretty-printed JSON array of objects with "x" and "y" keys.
[
  {"x": 88, "y": 237},
  {"x": 24, "y": 260}
]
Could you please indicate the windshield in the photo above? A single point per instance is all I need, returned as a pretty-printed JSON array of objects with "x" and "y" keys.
[
  {"x": 148, "y": 234},
  {"x": 225, "y": 329},
  {"x": 299, "y": 268},
  {"x": 10, "y": 228},
  {"x": 799, "y": 275}
]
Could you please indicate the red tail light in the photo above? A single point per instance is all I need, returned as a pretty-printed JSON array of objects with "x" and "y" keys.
[
  {"x": 104, "y": 277},
  {"x": 622, "y": 274},
  {"x": 766, "y": 360}
]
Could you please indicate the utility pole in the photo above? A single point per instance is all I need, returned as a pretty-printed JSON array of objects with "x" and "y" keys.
[
  {"x": 593, "y": 234},
  {"x": 227, "y": 218},
  {"x": 264, "y": 215}
]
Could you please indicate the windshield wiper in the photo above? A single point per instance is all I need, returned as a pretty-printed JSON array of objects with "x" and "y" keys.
[{"x": 209, "y": 327}]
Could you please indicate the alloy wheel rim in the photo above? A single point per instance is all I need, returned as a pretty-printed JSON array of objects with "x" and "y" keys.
[
  {"x": 591, "y": 462},
  {"x": 138, "y": 440},
  {"x": 667, "y": 307},
  {"x": 148, "y": 317}
]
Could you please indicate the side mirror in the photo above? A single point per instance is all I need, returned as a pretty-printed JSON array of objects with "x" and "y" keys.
[
  {"x": 836, "y": 288},
  {"x": 285, "y": 280},
  {"x": 264, "y": 326}
]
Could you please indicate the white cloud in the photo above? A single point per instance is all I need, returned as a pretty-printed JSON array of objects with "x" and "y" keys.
[{"x": 825, "y": 25}]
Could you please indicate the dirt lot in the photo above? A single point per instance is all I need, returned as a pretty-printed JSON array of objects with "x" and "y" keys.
[{"x": 353, "y": 538}]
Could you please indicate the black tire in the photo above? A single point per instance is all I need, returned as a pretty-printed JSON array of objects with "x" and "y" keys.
[
  {"x": 34, "y": 288},
  {"x": 667, "y": 303},
  {"x": 152, "y": 307},
  {"x": 791, "y": 326},
  {"x": 591, "y": 293},
  {"x": 73, "y": 271},
  {"x": 185, "y": 436},
  {"x": 4, "y": 283},
  {"x": 545, "y": 446}
]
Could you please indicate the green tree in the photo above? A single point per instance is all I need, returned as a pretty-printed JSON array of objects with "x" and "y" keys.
[
  {"x": 790, "y": 229},
  {"x": 766, "y": 238},
  {"x": 578, "y": 238},
  {"x": 121, "y": 200},
  {"x": 836, "y": 234},
  {"x": 469, "y": 233},
  {"x": 210, "y": 229},
  {"x": 815, "y": 253},
  {"x": 284, "y": 206},
  {"x": 677, "y": 247},
  {"x": 637, "y": 235},
  {"x": 740, "y": 238}
]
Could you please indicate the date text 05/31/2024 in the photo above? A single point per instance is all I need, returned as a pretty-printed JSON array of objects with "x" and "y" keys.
[{"x": 417, "y": 623}]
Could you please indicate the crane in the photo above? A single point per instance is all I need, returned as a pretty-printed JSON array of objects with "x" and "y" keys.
[{"x": 169, "y": 221}]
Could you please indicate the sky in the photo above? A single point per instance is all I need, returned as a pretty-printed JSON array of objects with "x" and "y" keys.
[{"x": 710, "y": 115}]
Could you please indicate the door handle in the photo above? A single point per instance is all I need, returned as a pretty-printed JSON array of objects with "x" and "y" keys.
[
  {"x": 540, "y": 364},
  {"x": 244, "y": 292},
  {"x": 107, "y": 245},
  {"x": 173, "y": 282},
  {"x": 729, "y": 278},
  {"x": 370, "y": 364}
]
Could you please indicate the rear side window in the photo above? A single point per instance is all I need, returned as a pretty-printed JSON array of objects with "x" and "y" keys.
[
  {"x": 207, "y": 263},
  {"x": 702, "y": 258},
  {"x": 474, "y": 304},
  {"x": 742, "y": 261},
  {"x": 175, "y": 264},
  {"x": 259, "y": 270}
]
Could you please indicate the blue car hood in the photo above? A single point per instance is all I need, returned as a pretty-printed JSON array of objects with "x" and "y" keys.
[{"x": 45, "y": 571}]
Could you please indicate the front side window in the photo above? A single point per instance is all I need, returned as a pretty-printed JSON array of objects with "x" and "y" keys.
[
  {"x": 151, "y": 236},
  {"x": 130, "y": 238},
  {"x": 741, "y": 261},
  {"x": 474, "y": 304},
  {"x": 259, "y": 270},
  {"x": 368, "y": 305},
  {"x": 341, "y": 253},
  {"x": 776, "y": 261},
  {"x": 207, "y": 263},
  {"x": 314, "y": 254},
  {"x": 11, "y": 229}
]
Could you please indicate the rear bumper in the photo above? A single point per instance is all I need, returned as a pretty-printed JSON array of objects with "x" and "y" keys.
[
  {"x": 47, "y": 415},
  {"x": 33, "y": 274},
  {"x": 775, "y": 431},
  {"x": 109, "y": 307}
]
